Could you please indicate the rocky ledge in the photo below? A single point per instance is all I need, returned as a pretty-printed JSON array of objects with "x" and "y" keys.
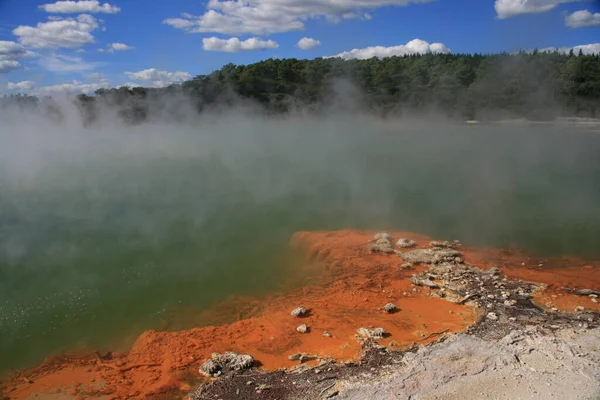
[{"x": 515, "y": 349}]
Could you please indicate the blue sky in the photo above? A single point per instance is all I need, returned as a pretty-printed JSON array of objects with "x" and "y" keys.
[{"x": 79, "y": 46}]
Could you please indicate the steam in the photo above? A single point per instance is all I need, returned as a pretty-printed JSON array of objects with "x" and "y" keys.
[{"x": 187, "y": 209}]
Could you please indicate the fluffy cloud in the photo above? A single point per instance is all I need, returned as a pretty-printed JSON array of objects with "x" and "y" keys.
[
  {"x": 308, "y": 43},
  {"x": 10, "y": 54},
  {"x": 582, "y": 19},
  {"x": 8, "y": 65},
  {"x": 119, "y": 47},
  {"x": 21, "y": 86},
  {"x": 131, "y": 85},
  {"x": 416, "y": 46},
  {"x": 593, "y": 48},
  {"x": 75, "y": 87},
  {"x": 69, "y": 32},
  {"x": 72, "y": 7},
  {"x": 512, "y": 8},
  {"x": 158, "y": 78},
  {"x": 62, "y": 63},
  {"x": 234, "y": 45},
  {"x": 264, "y": 17}
]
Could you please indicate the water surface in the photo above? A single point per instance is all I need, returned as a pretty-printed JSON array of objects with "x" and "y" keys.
[{"x": 106, "y": 233}]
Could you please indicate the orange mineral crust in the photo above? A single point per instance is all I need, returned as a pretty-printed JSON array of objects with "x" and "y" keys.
[{"x": 353, "y": 285}]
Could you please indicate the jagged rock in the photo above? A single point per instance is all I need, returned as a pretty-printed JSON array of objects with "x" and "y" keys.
[
  {"x": 233, "y": 360},
  {"x": 298, "y": 312},
  {"x": 376, "y": 333},
  {"x": 445, "y": 244},
  {"x": 492, "y": 316},
  {"x": 405, "y": 243},
  {"x": 327, "y": 334},
  {"x": 389, "y": 308},
  {"x": 430, "y": 256},
  {"x": 220, "y": 363},
  {"x": 302, "y": 328},
  {"x": 582, "y": 292},
  {"x": 427, "y": 282},
  {"x": 383, "y": 244},
  {"x": 383, "y": 235},
  {"x": 210, "y": 368},
  {"x": 296, "y": 356}
]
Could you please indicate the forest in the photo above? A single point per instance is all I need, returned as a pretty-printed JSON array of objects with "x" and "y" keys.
[{"x": 533, "y": 85}]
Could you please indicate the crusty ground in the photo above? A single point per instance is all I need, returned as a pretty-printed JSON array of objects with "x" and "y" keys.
[{"x": 353, "y": 285}]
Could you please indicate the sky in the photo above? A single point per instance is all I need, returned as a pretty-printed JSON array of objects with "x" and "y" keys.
[{"x": 81, "y": 46}]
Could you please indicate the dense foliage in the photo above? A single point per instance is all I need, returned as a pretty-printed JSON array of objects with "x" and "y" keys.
[{"x": 538, "y": 86}]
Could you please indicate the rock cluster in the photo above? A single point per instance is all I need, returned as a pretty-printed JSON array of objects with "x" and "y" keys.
[
  {"x": 444, "y": 244},
  {"x": 431, "y": 256},
  {"x": 222, "y": 363},
  {"x": 376, "y": 333},
  {"x": 405, "y": 243},
  {"x": 383, "y": 244}
]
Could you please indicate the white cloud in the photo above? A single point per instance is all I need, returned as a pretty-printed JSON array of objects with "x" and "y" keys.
[
  {"x": 582, "y": 19},
  {"x": 308, "y": 43},
  {"x": 131, "y": 85},
  {"x": 158, "y": 78},
  {"x": 234, "y": 45},
  {"x": 10, "y": 54},
  {"x": 73, "y": 7},
  {"x": 118, "y": 47},
  {"x": 415, "y": 46},
  {"x": 75, "y": 87},
  {"x": 593, "y": 48},
  {"x": 264, "y": 17},
  {"x": 21, "y": 86},
  {"x": 8, "y": 65},
  {"x": 69, "y": 32},
  {"x": 180, "y": 23},
  {"x": 512, "y": 8},
  {"x": 11, "y": 50},
  {"x": 62, "y": 63}
]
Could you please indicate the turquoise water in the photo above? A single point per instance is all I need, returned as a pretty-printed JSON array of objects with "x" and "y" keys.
[{"x": 106, "y": 233}]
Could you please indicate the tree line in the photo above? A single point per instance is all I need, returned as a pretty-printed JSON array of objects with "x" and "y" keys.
[{"x": 536, "y": 85}]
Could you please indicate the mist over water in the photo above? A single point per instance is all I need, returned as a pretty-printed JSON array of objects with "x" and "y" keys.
[{"x": 108, "y": 230}]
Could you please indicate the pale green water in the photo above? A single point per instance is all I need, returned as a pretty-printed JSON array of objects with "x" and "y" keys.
[{"x": 106, "y": 234}]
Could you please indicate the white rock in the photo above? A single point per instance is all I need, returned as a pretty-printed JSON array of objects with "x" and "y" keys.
[
  {"x": 298, "y": 312},
  {"x": 492, "y": 316},
  {"x": 389, "y": 308}
]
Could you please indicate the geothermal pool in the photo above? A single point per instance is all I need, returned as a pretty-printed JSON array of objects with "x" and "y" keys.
[{"x": 105, "y": 233}]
